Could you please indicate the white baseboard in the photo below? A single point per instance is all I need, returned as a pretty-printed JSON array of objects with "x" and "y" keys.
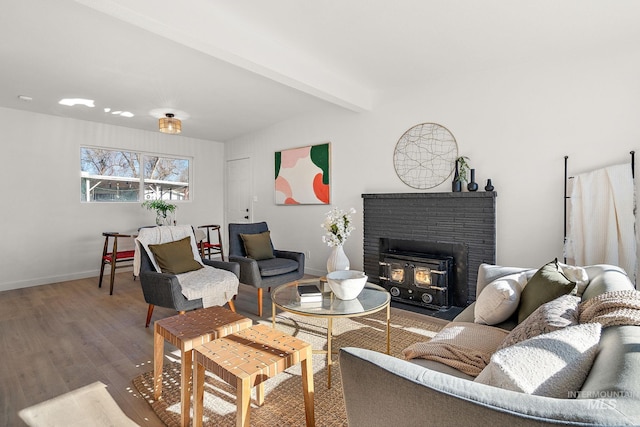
[{"x": 51, "y": 279}]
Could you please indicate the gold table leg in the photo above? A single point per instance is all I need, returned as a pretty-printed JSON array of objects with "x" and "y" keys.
[
  {"x": 389, "y": 329},
  {"x": 273, "y": 315},
  {"x": 329, "y": 335}
]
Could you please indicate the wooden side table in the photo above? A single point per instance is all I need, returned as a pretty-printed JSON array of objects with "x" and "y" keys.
[
  {"x": 187, "y": 331},
  {"x": 246, "y": 359}
]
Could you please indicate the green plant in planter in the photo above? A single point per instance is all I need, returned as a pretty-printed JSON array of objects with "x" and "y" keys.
[
  {"x": 162, "y": 208},
  {"x": 463, "y": 169}
]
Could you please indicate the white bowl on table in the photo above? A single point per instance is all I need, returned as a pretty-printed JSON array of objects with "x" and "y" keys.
[{"x": 346, "y": 284}]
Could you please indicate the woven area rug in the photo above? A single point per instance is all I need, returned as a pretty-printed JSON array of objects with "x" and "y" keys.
[{"x": 284, "y": 405}]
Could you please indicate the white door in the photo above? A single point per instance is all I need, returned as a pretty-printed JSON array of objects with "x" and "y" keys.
[{"x": 239, "y": 190}]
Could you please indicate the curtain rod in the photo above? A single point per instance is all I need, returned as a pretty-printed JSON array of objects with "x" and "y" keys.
[{"x": 633, "y": 166}]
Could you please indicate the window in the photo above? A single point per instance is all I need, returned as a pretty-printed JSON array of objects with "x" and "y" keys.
[
  {"x": 116, "y": 176},
  {"x": 166, "y": 178}
]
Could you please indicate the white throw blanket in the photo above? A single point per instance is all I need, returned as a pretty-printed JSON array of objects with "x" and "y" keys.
[
  {"x": 158, "y": 235},
  {"x": 602, "y": 222},
  {"x": 213, "y": 285}
]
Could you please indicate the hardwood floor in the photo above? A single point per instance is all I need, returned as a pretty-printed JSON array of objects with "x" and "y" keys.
[{"x": 59, "y": 337}]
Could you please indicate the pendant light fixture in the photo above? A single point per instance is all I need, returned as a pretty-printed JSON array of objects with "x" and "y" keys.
[{"x": 169, "y": 124}]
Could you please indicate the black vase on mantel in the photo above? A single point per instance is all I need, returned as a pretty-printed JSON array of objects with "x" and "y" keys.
[
  {"x": 456, "y": 184},
  {"x": 472, "y": 185},
  {"x": 489, "y": 186}
]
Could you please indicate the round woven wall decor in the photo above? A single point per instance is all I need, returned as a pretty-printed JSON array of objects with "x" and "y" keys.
[{"x": 425, "y": 156}]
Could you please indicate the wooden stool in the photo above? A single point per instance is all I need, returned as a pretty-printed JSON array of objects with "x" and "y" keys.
[
  {"x": 187, "y": 331},
  {"x": 246, "y": 359}
]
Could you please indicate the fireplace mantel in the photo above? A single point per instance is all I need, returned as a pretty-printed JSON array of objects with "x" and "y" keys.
[
  {"x": 468, "y": 218},
  {"x": 431, "y": 196}
]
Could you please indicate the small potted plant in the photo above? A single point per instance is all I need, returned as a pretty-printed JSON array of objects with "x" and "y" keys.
[
  {"x": 460, "y": 176},
  {"x": 162, "y": 208}
]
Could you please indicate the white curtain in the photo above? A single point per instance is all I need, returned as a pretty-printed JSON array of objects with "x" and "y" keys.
[{"x": 602, "y": 219}]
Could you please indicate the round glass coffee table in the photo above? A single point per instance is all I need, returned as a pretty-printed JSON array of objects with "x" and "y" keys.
[{"x": 372, "y": 299}]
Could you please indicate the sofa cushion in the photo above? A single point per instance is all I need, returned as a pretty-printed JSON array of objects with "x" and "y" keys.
[
  {"x": 276, "y": 266},
  {"x": 467, "y": 315},
  {"x": 499, "y": 299},
  {"x": 551, "y": 316},
  {"x": 578, "y": 275},
  {"x": 487, "y": 273},
  {"x": 445, "y": 369},
  {"x": 547, "y": 283},
  {"x": 175, "y": 257},
  {"x": 258, "y": 246},
  {"x": 605, "y": 278},
  {"x": 551, "y": 365}
]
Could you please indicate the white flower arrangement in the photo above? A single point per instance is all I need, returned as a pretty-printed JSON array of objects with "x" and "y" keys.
[{"x": 338, "y": 226}]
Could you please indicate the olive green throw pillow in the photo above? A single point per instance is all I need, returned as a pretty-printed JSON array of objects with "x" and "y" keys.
[
  {"x": 548, "y": 283},
  {"x": 175, "y": 257},
  {"x": 258, "y": 246}
]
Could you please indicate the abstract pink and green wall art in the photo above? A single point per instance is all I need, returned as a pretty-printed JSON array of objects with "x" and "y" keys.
[{"x": 302, "y": 175}]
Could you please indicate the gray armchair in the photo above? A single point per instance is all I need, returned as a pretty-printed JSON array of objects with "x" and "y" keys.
[
  {"x": 286, "y": 267},
  {"x": 163, "y": 289}
]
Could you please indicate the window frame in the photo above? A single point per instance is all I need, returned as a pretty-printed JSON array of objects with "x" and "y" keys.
[{"x": 142, "y": 192}]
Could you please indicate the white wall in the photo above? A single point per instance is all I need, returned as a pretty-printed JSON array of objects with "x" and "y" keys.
[
  {"x": 47, "y": 234},
  {"x": 515, "y": 124}
]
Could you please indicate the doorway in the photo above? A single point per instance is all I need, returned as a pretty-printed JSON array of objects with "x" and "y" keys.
[{"x": 239, "y": 207}]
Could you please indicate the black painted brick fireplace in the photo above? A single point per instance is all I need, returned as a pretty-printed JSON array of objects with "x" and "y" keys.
[{"x": 444, "y": 219}]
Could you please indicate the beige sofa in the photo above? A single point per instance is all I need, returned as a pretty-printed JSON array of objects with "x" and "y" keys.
[{"x": 381, "y": 390}]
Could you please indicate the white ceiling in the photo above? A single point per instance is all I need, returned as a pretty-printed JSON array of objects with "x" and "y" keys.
[{"x": 238, "y": 66}]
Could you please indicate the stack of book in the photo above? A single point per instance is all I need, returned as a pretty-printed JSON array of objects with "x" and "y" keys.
[{"x": 309, "y": 293}]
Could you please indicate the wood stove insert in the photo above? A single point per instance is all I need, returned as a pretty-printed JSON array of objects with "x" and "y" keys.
[{"x": 418, "y": 279}]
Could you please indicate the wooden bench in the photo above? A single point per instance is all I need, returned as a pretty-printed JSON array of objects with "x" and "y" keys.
[
  {"x": 245, "y": 360},
  {"x": 187, "y": 331}
]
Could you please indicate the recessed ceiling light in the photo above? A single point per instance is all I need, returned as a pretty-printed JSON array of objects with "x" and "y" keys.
[
  {"x": 119, "y": 113},
  {"x": 25, "y": 98},
  {"x": 77, "y": 101}
]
